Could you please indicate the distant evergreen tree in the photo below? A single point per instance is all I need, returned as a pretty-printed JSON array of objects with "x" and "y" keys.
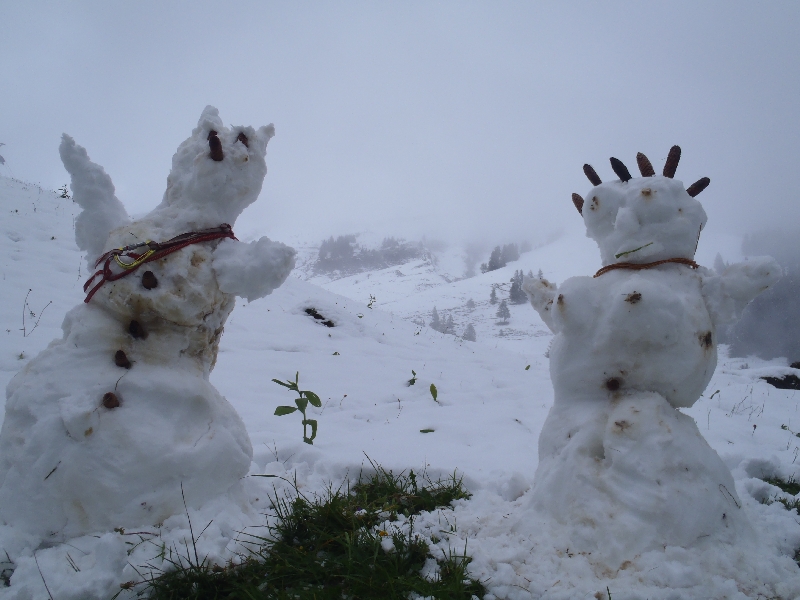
[
  {"x": 516, "y": 295},
  {"x": 510, "y": 253},
  {"x": 493, "y": 295},
  {"x": 503, "y": 312},
  {"x": 436, "y": 322},
  {"x": 495, "y": 261},
  {"x": 470, "y": 304},
  {"x": 449, "y": 326},
  {"x": 469, "y": 334},
  {"x": 540, "y": 275},
  {"x": 530, "y": 274},
  {"x": 500, "y": 257}
]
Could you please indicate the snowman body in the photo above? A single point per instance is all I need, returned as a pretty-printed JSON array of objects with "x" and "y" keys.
[
  {"x": 116, "y": 424},
  {"x": 621, "y": 471},
  {"x": 648, "y": 330}
]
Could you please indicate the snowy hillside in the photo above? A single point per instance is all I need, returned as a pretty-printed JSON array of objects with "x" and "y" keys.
[{"x": 493, "y": 396}]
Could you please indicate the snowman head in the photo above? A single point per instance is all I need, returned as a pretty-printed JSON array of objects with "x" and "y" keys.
[
  {"x": 216, "y": 173},
  {"x": 645, "y": 219}
]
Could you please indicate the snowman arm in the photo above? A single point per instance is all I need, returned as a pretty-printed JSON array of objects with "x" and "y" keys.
[
  {"x": 541, "y": 294},
  {"x": 728, "y": 293},
  {"x": 93, "y": 191},
  {"x": 252, "y": 270}
]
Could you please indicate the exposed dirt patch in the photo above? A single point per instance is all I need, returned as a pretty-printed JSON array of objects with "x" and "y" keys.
[
  {"x": 633, "y": 297},
  {"x": 706, "y": 340},
  {"x": 787, "y": 382},
  {"x": 311, "y": 311}
]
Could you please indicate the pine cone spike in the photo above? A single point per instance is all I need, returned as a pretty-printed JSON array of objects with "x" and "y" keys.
[
  {"x": 645, "y": 166},
  {"x": 673, "y": 158},
  {"x": 578, "y": 202},
  {"x": 698, "y": 186},
  {"x": 591, "y": 174},
  {"x": 620, "y": 169}
]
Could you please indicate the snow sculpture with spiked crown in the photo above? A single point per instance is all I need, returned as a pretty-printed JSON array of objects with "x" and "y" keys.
[
  {"x": 619, "y": 467},
  {"x": 105, "y": 426}
]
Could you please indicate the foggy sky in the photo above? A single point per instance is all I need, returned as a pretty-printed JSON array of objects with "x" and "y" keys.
[{"x": 455, "y": 119}]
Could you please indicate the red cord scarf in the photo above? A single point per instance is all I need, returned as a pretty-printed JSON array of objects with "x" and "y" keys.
[
  {"x": 147, "y": 252},
  {"x": 637, "y": 267}
]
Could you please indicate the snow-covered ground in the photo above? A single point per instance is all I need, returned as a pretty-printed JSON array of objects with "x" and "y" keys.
[{"x": 485, "y": 425}]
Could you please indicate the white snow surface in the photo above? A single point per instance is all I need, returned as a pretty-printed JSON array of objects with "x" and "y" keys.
[{"x": 486, "y": 426}]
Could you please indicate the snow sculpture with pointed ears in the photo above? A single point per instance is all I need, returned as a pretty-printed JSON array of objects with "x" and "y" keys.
[
  {"x": 618, "y": 466},
  {"x": 104, "y": 427}
]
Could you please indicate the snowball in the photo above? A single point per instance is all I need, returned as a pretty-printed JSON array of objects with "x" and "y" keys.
[
  {"x": 252, "y": 270},
  {"x": 643, "y": 220},
  {"x": 631, "y": 476}
]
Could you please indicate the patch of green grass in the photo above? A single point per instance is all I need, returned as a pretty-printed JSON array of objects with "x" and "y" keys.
[
  {"x": 790, "y": 486},
  {"x": 790, "y": 504},
  {"x": 330, "y": 548}
]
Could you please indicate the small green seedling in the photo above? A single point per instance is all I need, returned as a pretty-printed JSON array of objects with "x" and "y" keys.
[
  {"x": 413, "y": 379},
  {"x": 786, "y": 428},
  {"x": 528, "y": 368},
  {"x": 302, "y": 404},
  {"x": 427, "y": 430},
  {"x": 434, "y": 393},
  {"x": 621, "y": 254}
]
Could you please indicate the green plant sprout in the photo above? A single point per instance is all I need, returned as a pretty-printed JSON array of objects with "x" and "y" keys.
[
  {"x": 621, "y": 254},
  {"x": 434, "y": 393},
  {"x": 301, "y": 405},
  {"x": 413, "y": 379},
  {"x": 786, "y": 428}
]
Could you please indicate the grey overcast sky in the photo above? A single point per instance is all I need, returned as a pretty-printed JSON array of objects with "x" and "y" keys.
[{"x": 459, "y": 119}]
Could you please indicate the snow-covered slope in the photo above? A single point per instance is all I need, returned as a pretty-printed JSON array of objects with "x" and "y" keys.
[{"x": 485, "y": 424}]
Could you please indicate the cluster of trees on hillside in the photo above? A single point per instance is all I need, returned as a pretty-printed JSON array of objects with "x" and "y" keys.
[
  {"x": 448, "y": 326},
  {"x": 500, "y": 257},
  {"x": 345, "y": 255},
  {"x": 516, "y": 295}
]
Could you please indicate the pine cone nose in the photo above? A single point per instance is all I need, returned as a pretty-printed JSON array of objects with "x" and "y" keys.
[
  {"x": 110, "y": 400},
  {"x": 149, "y": 280},
  {"x": 215, "y": 145}
]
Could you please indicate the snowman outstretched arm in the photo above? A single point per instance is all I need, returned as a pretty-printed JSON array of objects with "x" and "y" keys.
[
  {"x": 252, "y": 270},
  {"x": 727, "y": 293},
  {"x": 93, "y": 191},
  {"x": 541, "y": 294}
]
